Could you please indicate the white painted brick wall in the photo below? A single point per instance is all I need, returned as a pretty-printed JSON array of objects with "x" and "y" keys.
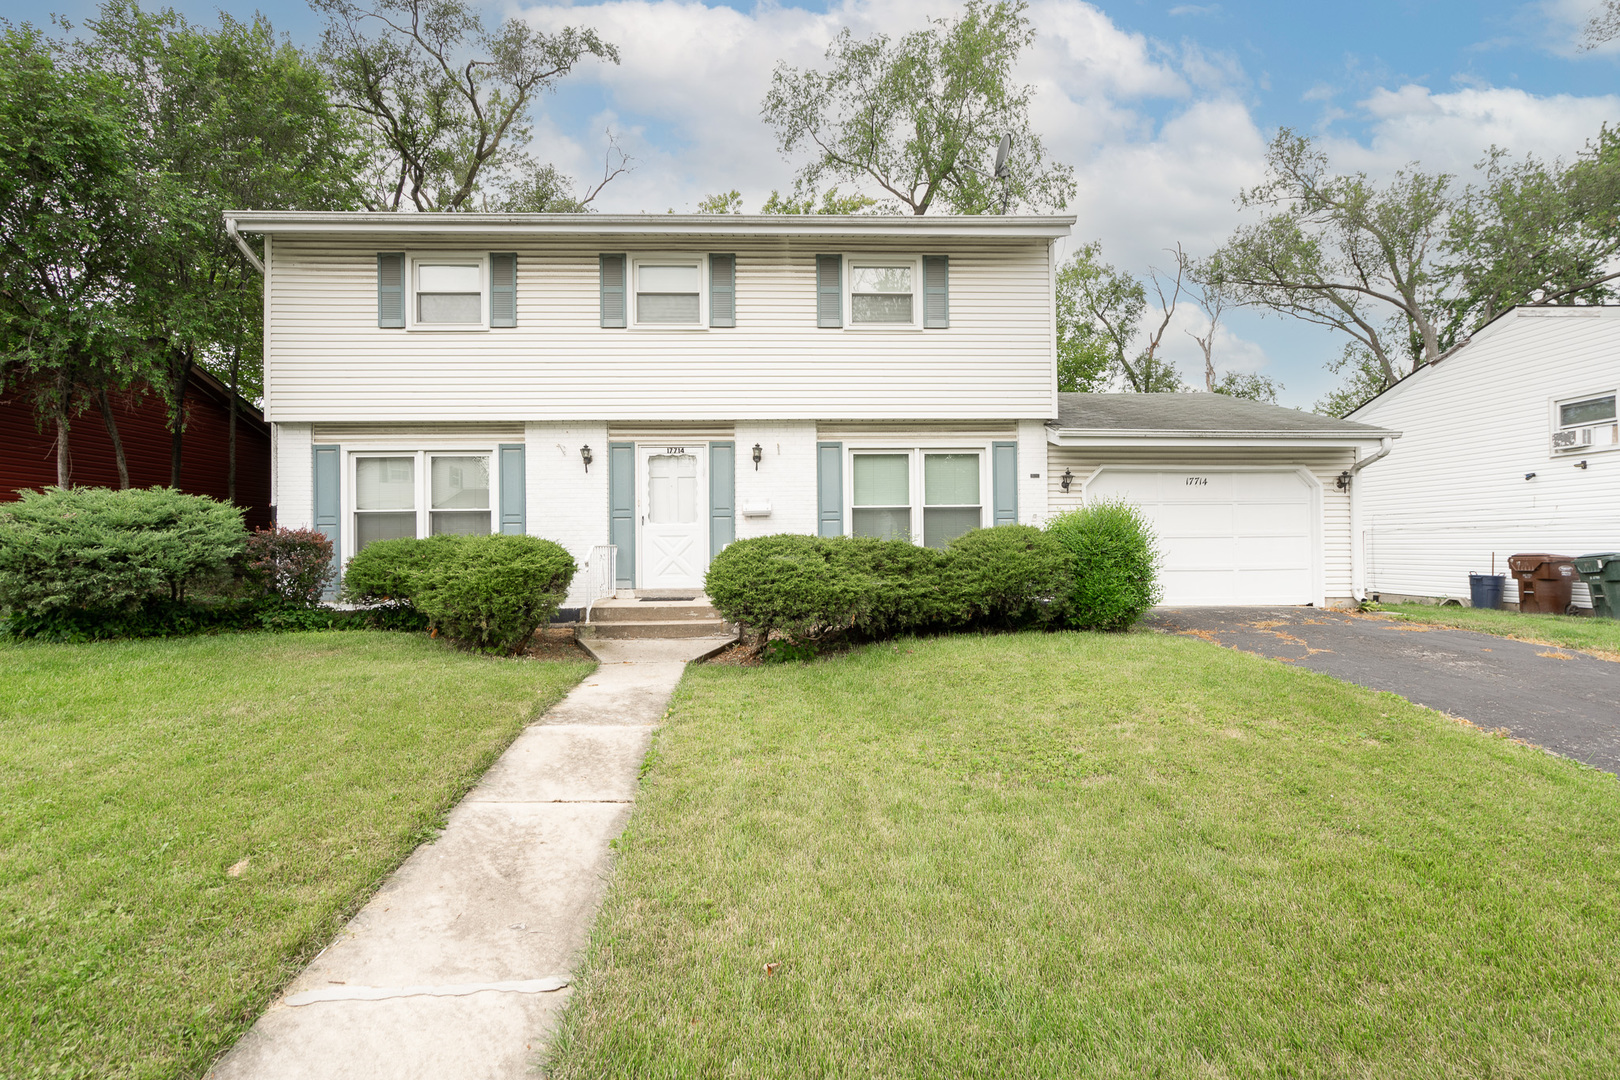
[
  {"x": 563, "y": 502},
  {"x": 786, "y": 476},
  {"x": 295, "y": 476},
  {"x": 1032, "y": 508}
]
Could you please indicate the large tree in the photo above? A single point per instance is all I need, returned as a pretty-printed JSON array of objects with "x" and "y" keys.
[
  {"x": 1100, "y": 331},
  {"x": 70, "y": 221},
  {"x": 920, "y": 118},
  {"x": 447, "y": 102},
  {"x": 227, "y": 118}
]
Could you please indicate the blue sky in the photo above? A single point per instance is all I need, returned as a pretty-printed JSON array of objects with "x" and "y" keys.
[{"x": 1163, "y": 108}]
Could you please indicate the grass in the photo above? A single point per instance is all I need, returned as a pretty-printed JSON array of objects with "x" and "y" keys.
[
  {"x": 1598, "y": 636},
  {"x": 184, "y": 823},
  {"x": 1085, "y": 855}
]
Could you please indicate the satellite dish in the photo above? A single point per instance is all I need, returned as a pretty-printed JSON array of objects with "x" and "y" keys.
[{"x": 1001, "y": 157}]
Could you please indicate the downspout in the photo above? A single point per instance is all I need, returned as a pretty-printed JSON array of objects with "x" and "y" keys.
[
  {"x": 1358, "y": 555},
  {"x": 230, "y": 230}
]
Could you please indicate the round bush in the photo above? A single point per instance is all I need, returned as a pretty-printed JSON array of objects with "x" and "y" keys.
[
  {"x": 1010, "y": 576},
  {"x": 65, "y": 553},
  {"x": 782, "y": 583},
  {"x": 1116, "y": 563},
  {"x": 387, "y": 571},
  {"x": 493, "y": 592}
]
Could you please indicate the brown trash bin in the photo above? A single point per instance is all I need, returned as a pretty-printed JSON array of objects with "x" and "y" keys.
[{"x": 1544, "y": 582}]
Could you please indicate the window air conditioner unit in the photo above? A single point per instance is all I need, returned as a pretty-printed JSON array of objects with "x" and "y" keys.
[{"x": 1575, "y": 440}]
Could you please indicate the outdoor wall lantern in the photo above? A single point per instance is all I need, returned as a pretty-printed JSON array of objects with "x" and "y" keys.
[
  {"x": 1068, "y": 478},
  {"x": 758, "y": 453},
  {"x": 1343, "y": 481},
  {"x": 585, "y": 452}
]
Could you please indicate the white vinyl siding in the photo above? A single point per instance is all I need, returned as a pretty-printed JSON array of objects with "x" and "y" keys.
[
  {"x": 329, "y": 362},
  {"x": 1454, "y": 495}
]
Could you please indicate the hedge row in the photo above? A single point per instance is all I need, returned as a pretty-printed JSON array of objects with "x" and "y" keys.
[
  {"x": 485, "y": 592},
  {"x": 1093, "y": 569}
]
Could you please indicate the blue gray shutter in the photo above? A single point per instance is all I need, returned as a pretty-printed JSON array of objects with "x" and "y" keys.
[
  {"x": 622, "y": 511},
  {"x": 830, "y": 487},
  {"x": 829, "y": 290},
  {"x": 327, "y": 477},
  {"x": 613, "y": 291},
  {"x": 936, "y": 292},
  {"x": 722, "y": 495},
  {"x": 514, "y": 515},
  {"x": 1004, "y": 482},
  {"x": 722, "y": 291},
  {"x": 503, "y": 290},
  {"x": 391, "y": 290}
]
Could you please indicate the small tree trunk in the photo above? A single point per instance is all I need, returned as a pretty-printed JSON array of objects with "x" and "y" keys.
[
  {"x": 64, "y": 455},
  {"x": 230, "y": 453},
  {"x": 107, "y": 418},
  {"x": 177, "y": 421}
]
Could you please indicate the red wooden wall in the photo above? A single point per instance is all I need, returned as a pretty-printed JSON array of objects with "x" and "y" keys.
[{"x": 28, "y": 455}]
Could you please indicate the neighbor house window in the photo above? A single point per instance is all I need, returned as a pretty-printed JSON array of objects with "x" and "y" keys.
[
  {"x": 951, "y": 501},
  {"x": 402, "y": 496},
  {"x": 881, "y": 505},
  {"x": 1586, "y": 424},
  {"x": 668, "y": 291},
  {"x": 883, "y": 292},
  {"x": 447, "y": 292}
]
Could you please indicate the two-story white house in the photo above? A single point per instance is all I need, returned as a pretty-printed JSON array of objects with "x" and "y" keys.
[{"x": 666, "y": 384}]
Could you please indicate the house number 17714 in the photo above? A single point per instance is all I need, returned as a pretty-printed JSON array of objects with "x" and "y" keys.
[{"x": 1197, "y": 481}]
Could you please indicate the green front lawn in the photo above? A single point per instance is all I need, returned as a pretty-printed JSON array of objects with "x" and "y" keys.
[
  {"x": 184, "y": 823},
  {"x": 1083, "y": 855},
  {"x": 1600, "y": 636}
]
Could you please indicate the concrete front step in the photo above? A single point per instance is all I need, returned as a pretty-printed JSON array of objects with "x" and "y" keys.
[
  {"x": 655, "y": 628},
  {"x": 606, "y": 611}
]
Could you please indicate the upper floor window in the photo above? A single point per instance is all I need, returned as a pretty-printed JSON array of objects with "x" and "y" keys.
[
  {"x": 883, "y": 292},
  {"x": 1587, "y": 423},
  {"x": 668, "y": 291},
  {"x": 448, "y": 292}
]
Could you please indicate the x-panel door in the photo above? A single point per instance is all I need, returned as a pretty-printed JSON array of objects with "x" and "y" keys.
[{"x": 672, "y": 498}]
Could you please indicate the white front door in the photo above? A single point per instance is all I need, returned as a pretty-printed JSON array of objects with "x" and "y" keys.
[
  {"x": 672, "y": 497},
  {"x": 1227, "y": 537}
]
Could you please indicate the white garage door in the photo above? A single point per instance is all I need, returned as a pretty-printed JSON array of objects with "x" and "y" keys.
[{"x": 1227, "y": 537}]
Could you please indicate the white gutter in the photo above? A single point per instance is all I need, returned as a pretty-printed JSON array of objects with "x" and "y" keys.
[
  {"x": 1358, "y": 553},
  {"x": 230, "y": 230},
  {"x": 1046, "y": 227},
  {"x": 1275, "y": 439}
]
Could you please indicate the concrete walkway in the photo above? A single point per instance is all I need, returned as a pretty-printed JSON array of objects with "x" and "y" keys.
[{"x": 459, "y": 966}]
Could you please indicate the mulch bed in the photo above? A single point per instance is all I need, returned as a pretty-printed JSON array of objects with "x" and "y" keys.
[{"x": 555, "y": 643}]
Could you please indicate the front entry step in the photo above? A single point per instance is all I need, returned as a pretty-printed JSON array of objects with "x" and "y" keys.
[{"x": 643, "y": 618}]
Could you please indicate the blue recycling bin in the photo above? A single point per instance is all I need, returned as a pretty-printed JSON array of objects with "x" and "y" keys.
[{"x": 1485, "y": 590}]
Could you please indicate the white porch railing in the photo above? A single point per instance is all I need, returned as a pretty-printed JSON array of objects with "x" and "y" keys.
[{"x": 600, "y": 574}]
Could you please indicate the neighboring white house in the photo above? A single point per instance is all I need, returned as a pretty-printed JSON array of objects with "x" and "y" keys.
[
  {"x": 668, "y": 383},
  {"x": 1511, "y": 445}
]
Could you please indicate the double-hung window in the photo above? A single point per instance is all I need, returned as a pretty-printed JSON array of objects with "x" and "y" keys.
[
  {"x": 401, "y": 496},
  {"x": 1585, "y": 424},
  {"x": 668, "y": 291},
  {"x": 884, "y": 292},
  {"x": 448, "y": 292},
  {"x": 884, "y": 482}
]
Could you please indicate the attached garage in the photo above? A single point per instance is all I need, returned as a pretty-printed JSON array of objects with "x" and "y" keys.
[{"x": 1252, "y": 503}]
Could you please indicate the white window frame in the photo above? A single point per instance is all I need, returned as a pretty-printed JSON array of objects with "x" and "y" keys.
[
  {"x": 890, "y": 259},
  {"x": 1555, "y": 418},
  {"x": 701, "y": 259},
  {"x": 423, "y": 481},
  {"x": 914, "y": 452},
  {"x": 447, "y": 258}
]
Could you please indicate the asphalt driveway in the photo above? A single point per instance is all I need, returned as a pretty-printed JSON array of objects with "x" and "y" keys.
[{"x": 1563, "y": 700}]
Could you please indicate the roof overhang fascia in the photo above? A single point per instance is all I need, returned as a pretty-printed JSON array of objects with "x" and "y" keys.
[
  {"x": 336, "y": 223},
  {"x": 1276, "y": 439}
]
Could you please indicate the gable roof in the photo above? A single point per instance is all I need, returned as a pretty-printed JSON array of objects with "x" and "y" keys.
[{"x": 1197, "y": 415}]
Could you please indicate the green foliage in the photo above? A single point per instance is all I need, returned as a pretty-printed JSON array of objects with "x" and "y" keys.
[
  {"x": 728, "y": 202},
  {"x": 1248, "y": 384},
  {"x": 1099, "y": 316},
  {"x": 1010, "y": 576},
  {"x": 293, "y": 565},
  {"x": 1116, "y": 564},
  {"x": 922, "y": 116},
  {"x": 69, "y": 556},
  {"x": 446, "y": 100},
  {"x": 485, "y": 592},
  {"x": 804, "y": 202},
  {"x": 782, "y": 583}
]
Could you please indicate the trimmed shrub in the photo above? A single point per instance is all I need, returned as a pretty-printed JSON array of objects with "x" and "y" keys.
[
  {"x": 783, "y": 583},
  {"x": 387, "y": 571},
  {"x": 903, "y": 587},
  {"x": 292, "y": 565},
  {"x": 493, "y": 592},
  {"x": 1116, "y": 563},
  {"x": 72, "y": 558},
  {"x": 1010, "y": 576}
]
